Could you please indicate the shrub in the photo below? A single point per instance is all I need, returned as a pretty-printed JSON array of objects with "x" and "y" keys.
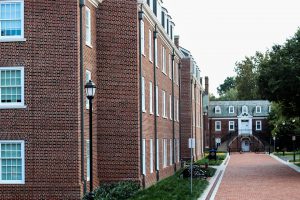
[{"x": 115, "y": 191}]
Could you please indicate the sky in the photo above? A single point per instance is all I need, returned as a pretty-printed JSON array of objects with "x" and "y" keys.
[{"x": 221, "y": 32}]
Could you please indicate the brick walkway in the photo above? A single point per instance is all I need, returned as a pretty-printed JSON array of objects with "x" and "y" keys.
[{"x": 258, "y": 177}]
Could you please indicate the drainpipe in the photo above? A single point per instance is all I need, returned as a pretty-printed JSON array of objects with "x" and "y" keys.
[
  {"x": 173, "y": 109},
  {"x": 81, "y": 6},
  {"x": 141, "y": 15},
  {"x": 179, "y": 66},
  {"x": 195, "y": 88},
  {"x": 192, "y": 130},
  {"x": 155, "y": 33}
]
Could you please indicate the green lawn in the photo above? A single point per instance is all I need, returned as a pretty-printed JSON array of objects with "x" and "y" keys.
[
  {"x": 220, "y": 158},
  {"x": 173, "y": 188}
]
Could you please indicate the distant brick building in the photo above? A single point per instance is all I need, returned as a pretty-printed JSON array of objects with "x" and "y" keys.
[
  {"x": 191, "y": 113},
  {"x": 135, "y": 113}
]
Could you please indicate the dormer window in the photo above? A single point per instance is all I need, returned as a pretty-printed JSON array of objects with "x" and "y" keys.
[
  {"x": 244, "y": 109},
  {"x": 258, "y": 109},
  {"x": 231, "y": 109},
  {"x": 270, "y": 109},
  {"x": 218, "y": 110}
]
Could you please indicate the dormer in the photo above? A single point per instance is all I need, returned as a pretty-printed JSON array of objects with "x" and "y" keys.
[
  {"x": 172, "y": 26},
  {"x": 218, "y": 110},
  {"x": 244, "y": 109},
  {"x": 164, "y": 16}
]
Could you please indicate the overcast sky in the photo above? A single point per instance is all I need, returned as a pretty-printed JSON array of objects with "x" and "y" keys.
[{"x": 220, "y": 32}]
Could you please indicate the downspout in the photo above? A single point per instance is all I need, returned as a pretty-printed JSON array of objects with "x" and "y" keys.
[
  {"x": 155, "y": 103},
  {"x": 195, "y": 88},
  {"x": 141, "y": 14},
  {"x": 173, "y": 110},
  {"x": 179, "y": 66},
  {"x": 81, "y": 5},
  {"x": 192, "y": 118}
]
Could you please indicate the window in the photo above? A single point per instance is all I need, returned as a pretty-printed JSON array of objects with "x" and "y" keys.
[
  {"x": 171, "y": 107},
  {"x": 231, "y": 109},
  {"x": 11, "y": 87},
  {"x": 88, "y": 77},
  {"x": 164, "y": 60},
  {"x": 155, "y": 52},
  {"x": 244, "y": 109},
  {"x": 217, "y": 125},
  {"x": 12, "y": 159},
  {"x": 143, "y": 95},
  {"x": 150, "y": 45},
  {"x": 143, "y": 37},
  {"x": 88, "y": 27},
  {"x": 231, "y": 125},
  {"x": 258, "y": 109},
  {"x": 170, "y": 66},
  {"x": 165, "y": 152},
  {"x": 258, "y": 125},
  {"x": 177, "y": 72},
  {"x": 218, "y": 110},
  {"x": 270, "y": 109},
  {"x": 150, "y": 98},
  {"x": 157, "y": 114},
  {"x": 88, "y": 160},
  {"x": 12, "y": 20},
  {"x": 157, "y": 154},
  {"x": 178, "y": 155},
  {"x": 164, "y": 108},
  {"x": 151, "y": 155},
  {"x": 178, "y": 110},
  {"x": 171, "y": 152},
  {"x": 144, "y": 156}
]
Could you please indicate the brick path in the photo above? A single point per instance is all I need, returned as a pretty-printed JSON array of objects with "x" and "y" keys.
[{"x": 258, "y": 177}]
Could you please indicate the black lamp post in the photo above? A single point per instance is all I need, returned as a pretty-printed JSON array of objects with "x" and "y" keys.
[
  {"x": 90, "y": 89},
  {"x": 294, "y": 139}
]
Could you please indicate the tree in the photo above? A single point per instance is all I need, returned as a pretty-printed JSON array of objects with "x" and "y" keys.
[
  {"x": 230, "y": 95},
  {"x": 229, "y": 83},
  {"x": 279, "y": 76}
]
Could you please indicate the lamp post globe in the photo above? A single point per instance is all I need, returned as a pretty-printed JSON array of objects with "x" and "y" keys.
[{"x": 90, "y": 89}]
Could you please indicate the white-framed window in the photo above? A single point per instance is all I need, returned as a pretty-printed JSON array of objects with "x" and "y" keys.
[
  {"x": 143, "y": 95},
  {"x": 12, "y": 87},
  {"x": 12, "y": 159},
  {"x": 177, "y": 72},
  {"x": 178, "y": 154},
  {"x": 258, "y": 125},
  {"x": 88, "y": 29},
  {"x": 231, "y": 125},
  {"x": 231, "y": 109},
  {"x": 12, "y": 20},
  {"x": 218, "y": 110},
  {"x": 157, "y": 114},
  {"x": 164, "y": 70},
  {"x": 171, "y": 107},
  {"x": 164, "y": 107},
  {"x": 258, "y": 109},
  {"x": 217, "y": 125},
  {"x": 144, "y": 156},
  {"x": 150, "y": 45},
  {"x": 157, "y": 154},
  {"x": 155, "y": 52},
  {"x": 88, "y": 173},
  {"x": 88, "y": 77},
  {"x": 171, "y": 151},
  {"x": 150, "y": 97},
  {"x": 177, "y": 110},
  {"x": 165, "y": 149},
  {"x": 270, "y": 109},
  {"x": 244, "y": 109},
  {"x": 170, "y": 66},
  {"x": 151, "y": 155},
  {"x": 143, "y": 37}
]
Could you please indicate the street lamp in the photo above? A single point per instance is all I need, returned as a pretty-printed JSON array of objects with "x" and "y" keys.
[
  {"x": 274, "y": 139},
  {"x": 90, "y": 90},
  {"x": 294, "y": 139}
]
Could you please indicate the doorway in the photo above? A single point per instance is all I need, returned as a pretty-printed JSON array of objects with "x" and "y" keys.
[{"x": 245, "y": 146}]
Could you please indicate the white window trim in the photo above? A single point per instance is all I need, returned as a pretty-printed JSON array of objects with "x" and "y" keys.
[
  {"x": 143, "y": 38},
  {"x": 258, "y": 109},
  {"x": 232, "y": 109},
  {"x": 260, "y": 123},
  {"x": 88, "y": 31},
  {"x": 170, "y": 66},
  {"x": 87, "y": 72},
  {"x": 157, "y": 154},
  {"x": 15, "y": 105},
  {"x": 143, "y": 95},
  {"x": 23, "y": 162},
  {"x": 157, "y": 103},
  {"x": 218, "y": 110},
  {"x": 177, "y": 112},
  {"x": 178, "y": 150},
  {"x": 144, "y": 156},
  {"x": 151, "y": 155},
  {"x": 15, "y": 38},
  {"x": 150, "y": 97},
  {"x": 165, "y": 144},
  {"x": 171, "y": 151},
  {"x": 150, "y": 46},
  {"x": 164, "y": 64},
  {"x": 88, "y": 157},
  {"x": 244, "y": 109},
  {"x": 156, "y": 53},
  {"x": 231, "y": 123},
  {"x": 164, "y": 107},
  {"x": 216, "y": 126},
  {"x": 171, "y": 118}
]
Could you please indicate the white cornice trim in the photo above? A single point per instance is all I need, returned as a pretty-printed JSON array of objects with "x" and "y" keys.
[{"x": 95, "y": 2}]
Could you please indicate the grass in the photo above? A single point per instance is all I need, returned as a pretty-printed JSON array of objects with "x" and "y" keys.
[
  {"x": 280, "y": 153},
  {"x": 220, "y": 158},
  {"x": 173, "y": 188}
]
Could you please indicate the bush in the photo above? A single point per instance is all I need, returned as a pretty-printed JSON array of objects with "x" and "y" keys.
[{"x": 115, "y": 191}]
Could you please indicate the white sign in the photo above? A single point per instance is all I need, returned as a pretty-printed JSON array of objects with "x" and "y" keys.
[
  {"x": 191, "y": 143},
  {"x": 294, "y": 138}
]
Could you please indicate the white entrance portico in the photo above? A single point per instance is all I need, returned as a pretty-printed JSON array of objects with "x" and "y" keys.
[{"x": 245, "y": 122}]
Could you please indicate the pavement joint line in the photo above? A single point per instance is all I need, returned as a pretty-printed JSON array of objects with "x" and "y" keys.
[
  {"x": 291, "y": 165},
  {"x": 214, "y": 183}
]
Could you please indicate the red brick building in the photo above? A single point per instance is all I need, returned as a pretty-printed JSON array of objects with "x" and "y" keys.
[
  {"x": 44, "y": 118},
  {"x": 191, "y": 114}
]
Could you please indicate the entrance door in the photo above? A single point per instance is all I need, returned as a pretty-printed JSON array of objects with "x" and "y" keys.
[
  {"x": 245, "y": 145},
  {"x": 245, "y": 127}
]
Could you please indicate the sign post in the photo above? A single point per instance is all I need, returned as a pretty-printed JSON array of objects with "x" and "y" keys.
[{"x": 191, "y": 146}]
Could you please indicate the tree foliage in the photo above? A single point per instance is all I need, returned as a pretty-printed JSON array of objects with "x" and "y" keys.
[{"x": 229, "y": 83}]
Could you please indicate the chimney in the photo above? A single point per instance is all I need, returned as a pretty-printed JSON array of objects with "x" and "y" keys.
[
  {"x": 206, "y": 85},
  {"x": 176, "y": 41}
]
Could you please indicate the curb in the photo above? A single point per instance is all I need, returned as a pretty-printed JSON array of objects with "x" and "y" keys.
[
  {"x": 291, "y": 165},
  {"x": 214, "y": 183}
]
